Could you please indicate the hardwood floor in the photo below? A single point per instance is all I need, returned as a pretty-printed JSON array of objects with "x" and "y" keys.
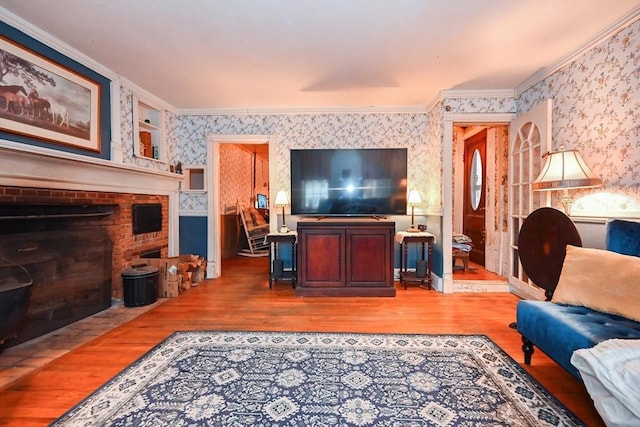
[
  {"x": 241, "y": 300},
  {"x": 475, "y": 272}
]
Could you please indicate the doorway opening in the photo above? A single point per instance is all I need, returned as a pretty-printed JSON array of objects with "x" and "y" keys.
[
  {"x": 223, "y": 201},
  {"x": 480, "y": 209}
]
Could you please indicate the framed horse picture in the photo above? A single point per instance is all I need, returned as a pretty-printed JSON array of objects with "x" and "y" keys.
[{"x": 49, "y": 100}]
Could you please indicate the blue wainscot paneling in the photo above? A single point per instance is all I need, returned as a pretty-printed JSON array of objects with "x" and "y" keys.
[
  {"x": 284, "y": 253},
  {"x": 193, "y": 235},
  {"x": 434, "y": 226}
]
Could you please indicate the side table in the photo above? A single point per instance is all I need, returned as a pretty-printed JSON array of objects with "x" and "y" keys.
[
  {"x": 405, "y": 238},
  {"x": 276, "y": 270}
]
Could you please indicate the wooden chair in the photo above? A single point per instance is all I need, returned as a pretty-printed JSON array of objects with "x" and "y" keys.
[{"x": 256, "y": 230}]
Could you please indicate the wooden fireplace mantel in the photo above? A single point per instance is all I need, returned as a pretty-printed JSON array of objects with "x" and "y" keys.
[
  {"x": 42, "y": 168},
  {"x": 34, "y": 167}
]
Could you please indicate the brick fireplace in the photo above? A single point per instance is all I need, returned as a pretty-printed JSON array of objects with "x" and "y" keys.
[
  {"x": 32, "y": 176},
  {"x": 126, "y": 245}
]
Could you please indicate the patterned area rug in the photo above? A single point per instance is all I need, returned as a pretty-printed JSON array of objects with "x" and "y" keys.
[{"x": 318, "y": 379}]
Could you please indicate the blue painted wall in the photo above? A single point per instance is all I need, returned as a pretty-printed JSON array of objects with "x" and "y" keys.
[{"x": 193, "y": 235}]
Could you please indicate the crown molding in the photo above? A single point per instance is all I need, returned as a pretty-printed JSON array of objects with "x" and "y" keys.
[
  {"x": 482, "y": 93},
  {"x": 434, "y": 102},
  {"x": 620, "y": 24},
  {"x": 147, "y": 96},
  {"x": 244, "y": 139},
  {"x": 483, "y": 118},
  {"x": 299, "y": 110}
]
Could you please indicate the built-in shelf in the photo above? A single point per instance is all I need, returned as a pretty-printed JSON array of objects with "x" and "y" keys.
[
  {"x": 149, "y": 141},
  {"x": 195, "y": 178}
]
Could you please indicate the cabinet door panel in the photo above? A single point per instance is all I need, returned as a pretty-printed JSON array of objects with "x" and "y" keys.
[
  {"x": 369, "y": 258},
  {"x": 324, "y": 252}
]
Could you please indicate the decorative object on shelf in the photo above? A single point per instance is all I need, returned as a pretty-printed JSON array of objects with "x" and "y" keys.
[
  {"x": 179, "y": 168},
  {"x": 282, "y": 200},
  {"x": 149, "y": 127},
  {"x": 413, "y": 200},
  {"x": 565, "y": 170},
  {"x": 145, "y": 143}
]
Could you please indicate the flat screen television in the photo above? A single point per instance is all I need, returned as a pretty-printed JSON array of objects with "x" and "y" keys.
[{"x": 349, "y": 182}]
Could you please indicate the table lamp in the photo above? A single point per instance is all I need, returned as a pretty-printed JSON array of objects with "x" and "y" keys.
[
  {"x": 282, "y": 200},
  {"x": 565, "y": 170},
  {"x": 413, "y": 200}
]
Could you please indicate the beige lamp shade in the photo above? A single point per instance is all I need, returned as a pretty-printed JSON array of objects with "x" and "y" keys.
[
  {"x": 565, "y": 170},
  {"x": 281, "y": 199},
  {"x": 413, "y": 199}
]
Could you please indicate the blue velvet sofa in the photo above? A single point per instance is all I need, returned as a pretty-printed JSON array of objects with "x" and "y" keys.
[{"x": 558, "y": 330}]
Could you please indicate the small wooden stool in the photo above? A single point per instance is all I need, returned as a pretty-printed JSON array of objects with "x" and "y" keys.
[{"x": 462, "y": 255}]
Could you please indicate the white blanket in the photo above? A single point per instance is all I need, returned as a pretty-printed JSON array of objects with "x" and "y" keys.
[{"x": 611, "y": 374}]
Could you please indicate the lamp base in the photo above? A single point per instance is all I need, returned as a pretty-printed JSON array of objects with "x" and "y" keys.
[
  {"x": 284, "y": 229},
  {"x": 413, "y": 229},
  {"x": 566, "y": 203}
]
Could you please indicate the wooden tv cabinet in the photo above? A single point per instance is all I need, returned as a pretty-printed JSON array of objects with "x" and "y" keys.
[{"x": 345, "y": 257}]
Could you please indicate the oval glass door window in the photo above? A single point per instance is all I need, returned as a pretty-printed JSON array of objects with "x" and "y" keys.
[{"x": 475, "y": 186}]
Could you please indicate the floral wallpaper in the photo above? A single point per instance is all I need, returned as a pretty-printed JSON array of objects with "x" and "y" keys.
[
  {"x": 193, "y": 202},
  {"x": 235, "y": 168},
  {"x": 433, "y": 197},
  {"x": 596, "y": 110},
  {"x": 473, "y": 105},
  {"x": 192, "y": 133},
  {"x": 353, "y": 130}
]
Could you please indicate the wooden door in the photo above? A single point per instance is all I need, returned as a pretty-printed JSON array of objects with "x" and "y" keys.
[
  {"x": 321, "y": 253},
  {"x": 369, "y": 254},
  {"x": 475, "y": 149}
]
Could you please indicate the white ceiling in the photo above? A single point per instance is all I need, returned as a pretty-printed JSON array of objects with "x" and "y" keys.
[{"x": 285, "y": 54}]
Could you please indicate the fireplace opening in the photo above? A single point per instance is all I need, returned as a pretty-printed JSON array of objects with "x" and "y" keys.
[
  {"x": 152, "y": 253},
  {"x": 67, "y": 251}
]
